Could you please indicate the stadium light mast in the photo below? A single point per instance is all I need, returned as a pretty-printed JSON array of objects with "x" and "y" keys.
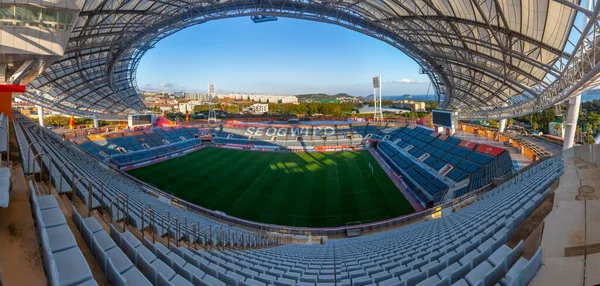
[
  {"x": 378, "y": 116},
  {"x": 211, "y": 112}
]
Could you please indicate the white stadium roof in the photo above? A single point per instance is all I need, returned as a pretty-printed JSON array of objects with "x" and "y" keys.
[{"x": 486, "y": 59}]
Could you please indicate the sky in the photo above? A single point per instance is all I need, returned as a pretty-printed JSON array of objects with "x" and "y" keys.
[{"x": 288, "y": 56}]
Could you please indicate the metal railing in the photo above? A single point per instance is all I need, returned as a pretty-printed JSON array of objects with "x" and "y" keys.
[
  {"x": 62, "y": 175},
  {"x": 41, "y": 155},
  {"x": 124, "y": 198},
  {"x": 90, "y": 186},
  {"x": 29, "y": 152},
  {"x": 150, "y": 213}
]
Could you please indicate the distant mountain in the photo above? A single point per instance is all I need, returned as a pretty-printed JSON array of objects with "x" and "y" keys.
[{"x": 322, "y": 96}]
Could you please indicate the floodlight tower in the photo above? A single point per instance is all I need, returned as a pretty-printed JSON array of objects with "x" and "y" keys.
[
  {"x": 377, "y": 98},
  {"x": 211, "y": 112}
]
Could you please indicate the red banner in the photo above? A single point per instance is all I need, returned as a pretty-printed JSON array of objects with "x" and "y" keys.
[
  {"x": 324, "y": 148},
  {"x": 490, "y": 150},
  {"x": 12, "y": 88},
  {"x": 467, "y": 144}
]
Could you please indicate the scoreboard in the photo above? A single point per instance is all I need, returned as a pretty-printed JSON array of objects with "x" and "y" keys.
[{"x": 140, "y": 120}]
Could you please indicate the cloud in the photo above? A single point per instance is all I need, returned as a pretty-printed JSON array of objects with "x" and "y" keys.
[
  {"x": 167, "y": 84},
  {"x": 406, "y": 81}
]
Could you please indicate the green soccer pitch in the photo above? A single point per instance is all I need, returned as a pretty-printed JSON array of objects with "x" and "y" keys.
[{"x": 293, "y": 189}]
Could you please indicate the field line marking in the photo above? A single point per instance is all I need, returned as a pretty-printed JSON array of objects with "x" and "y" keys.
[
  {"x": 337, "y": 173},
  {"x": 261, "y": 174}
]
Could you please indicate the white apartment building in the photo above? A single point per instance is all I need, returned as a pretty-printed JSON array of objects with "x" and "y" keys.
[
  {"x": 186, "y": 106},
  {"x": 259, "y": 108}
]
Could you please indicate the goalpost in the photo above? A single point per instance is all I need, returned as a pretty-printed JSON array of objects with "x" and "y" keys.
[{"x": 371, "y": 167}]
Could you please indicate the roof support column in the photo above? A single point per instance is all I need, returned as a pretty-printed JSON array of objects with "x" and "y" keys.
[
  {"x": 96, "y": 125},
  {"x": 40, "y": 115},
  {"x": 501, "y": 125},
  {"x": 571, "y": 122}
]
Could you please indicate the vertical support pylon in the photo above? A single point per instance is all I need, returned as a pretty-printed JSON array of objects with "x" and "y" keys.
[
  {"x": 501, "y": 125},
  {"x": 72, "y": 122},
  {"x": 378, "y": 115},
  {"x": 212, "y": 117},
  {"x": 571, "y": 121},
  {"x": 40, "y": 110}
]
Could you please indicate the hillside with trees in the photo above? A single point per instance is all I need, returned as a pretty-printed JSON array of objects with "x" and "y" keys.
[{"x": 316, "y": 97}]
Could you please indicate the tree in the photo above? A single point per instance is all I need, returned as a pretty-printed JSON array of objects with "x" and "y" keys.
[
  {"x": 593, "y": 118},
  {"x": 534, "y": 125},
  {"x": 430, "y": 105},
  {"x": 510, "y": 122}
]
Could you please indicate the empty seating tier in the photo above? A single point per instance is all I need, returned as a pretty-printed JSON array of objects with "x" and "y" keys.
[{"x": 449, "y": 157}]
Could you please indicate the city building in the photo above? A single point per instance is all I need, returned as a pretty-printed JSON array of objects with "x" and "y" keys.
[
  {"x": 197, "y": 97},
  {"x": 263, "y": 98},
  {"x": 212, "y": 91},
  {"x": 258, "y": 108},
  {"x": 186, "y": 106},
  {"x": 557, "y": 128},
  {"x": 418, "y": 106}
]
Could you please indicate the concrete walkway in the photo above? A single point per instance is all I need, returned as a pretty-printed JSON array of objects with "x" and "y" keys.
[
  {"x": 20, "y": 258},
  {"x": 573, "y": 222}
]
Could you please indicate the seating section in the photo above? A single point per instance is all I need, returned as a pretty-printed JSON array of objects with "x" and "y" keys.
[
  {"x": 23, "y": 148},
  {"x": 4, "y": 171},
  {"x": 116, "y": 184},
  {"x": 126, "y": 148},
  {"x": 4, "y": 186},
  {"x": 63, "y": 261},
  {"x": 455, "y": 159},
  {"x": 432, "y": 188},
  {"x": 288, "y": 136},
  {"x": 114, "y": 263},
  {"x": 465, "y": 247},
  {"x": 155, "y": 269},
  {"x": 3, "y": 133}
]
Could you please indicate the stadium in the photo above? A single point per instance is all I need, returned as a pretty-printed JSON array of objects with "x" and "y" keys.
[{"x": 301, "y": 200}]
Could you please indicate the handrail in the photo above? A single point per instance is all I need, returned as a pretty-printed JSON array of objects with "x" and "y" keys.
[
  {"x": 162, "y": 225},
  {"x": 90, "y": 185},
  {"x": 150, "y": 211},
  {"x": 102, "y": 199},
  {"x": 120, "y": 198},
  {"x": 62, "y": 174},
  {"x": 176, "y": 232},
  {"x": 42, "y": 165},
  {"x": 210, "y": 236},
  {"x": 29, "y": 155}
]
